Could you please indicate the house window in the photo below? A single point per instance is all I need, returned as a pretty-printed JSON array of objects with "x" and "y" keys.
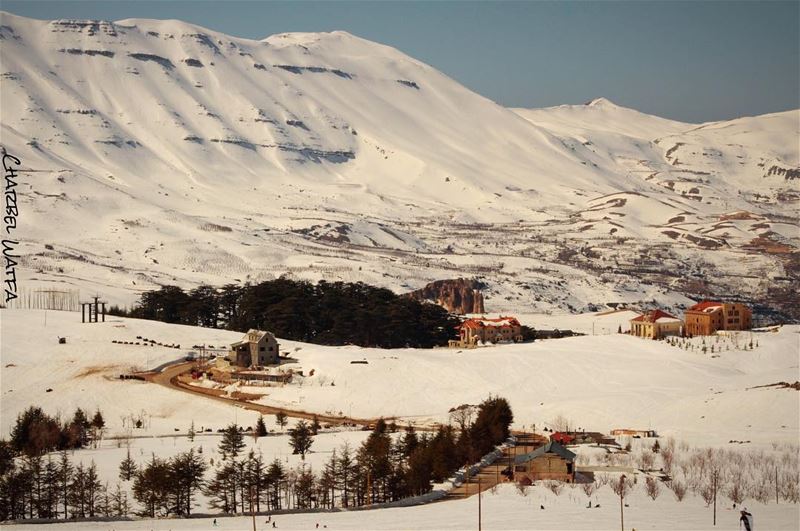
[{"x": 261, "y": 349}]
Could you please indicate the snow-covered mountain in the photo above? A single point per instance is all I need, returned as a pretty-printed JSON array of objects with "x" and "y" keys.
[{"x": 162, "y": 152}]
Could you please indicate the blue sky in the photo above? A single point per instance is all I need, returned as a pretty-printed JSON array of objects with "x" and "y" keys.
[{"x": 692, "y": 61}]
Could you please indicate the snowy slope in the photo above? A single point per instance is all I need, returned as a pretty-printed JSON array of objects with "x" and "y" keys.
[
  {"x": 599, "y": 382},
  {"x": 505, "y": 509},
  {"x": 160, "y": 152}
]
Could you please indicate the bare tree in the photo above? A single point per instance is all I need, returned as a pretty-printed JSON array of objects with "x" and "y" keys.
[
  {"x": 554, "y": 486},
  {"x": 678, "y": 489},
  {"x": 589, "y": 489},
  {"x": 652, "y": 487},
  {"x": 622, "y": 488},
  {"x": 462, "y": 416},
  {"x": 646, "y": 460}
]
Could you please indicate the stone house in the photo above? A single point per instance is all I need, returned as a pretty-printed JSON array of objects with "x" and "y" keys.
[
  {"x": 551, "y": 461},
  {"x": 483, "y": 330},
  {"x": 656, "y": 324},
  {"x": 255, "y": 349},
  {"x": 705, "y": 318}
]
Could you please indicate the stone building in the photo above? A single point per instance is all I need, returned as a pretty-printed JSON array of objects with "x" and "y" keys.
[
  {"x": 656, "y": 324},
  {"x": 482, "y": 330},
  {"x": 705, "y": 318},
  {"x": 551, "y": 461},
  {"x": 255, "y": 349}
]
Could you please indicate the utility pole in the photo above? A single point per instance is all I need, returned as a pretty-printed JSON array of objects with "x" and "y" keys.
[
  {"x": 479, "y": 503},
  {"x": 776, "y": 484},
  {"x": 252, "y": 508},
  {"x": 621, "y": 509},
  {"x": 715, "y": 496}
]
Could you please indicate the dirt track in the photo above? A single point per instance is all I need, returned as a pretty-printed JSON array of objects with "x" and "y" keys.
[{"x": 169, "y": 378}]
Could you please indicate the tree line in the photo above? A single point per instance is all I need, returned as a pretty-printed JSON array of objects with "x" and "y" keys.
[
  {"x": 327, "y": 313},
  {"x": 385, "y": 467}
]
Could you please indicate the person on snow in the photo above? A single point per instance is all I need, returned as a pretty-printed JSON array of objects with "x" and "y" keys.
[{"x": 746, "y": 520}]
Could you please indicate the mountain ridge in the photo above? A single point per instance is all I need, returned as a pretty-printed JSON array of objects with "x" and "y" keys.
[{"x": 167, "y": 153}]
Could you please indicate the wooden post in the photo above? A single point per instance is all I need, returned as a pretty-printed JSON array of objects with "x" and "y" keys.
[
  {"x": 83, "y": 313},
  {"x": 104, "y": 312},
  {"x": 776, "y": 483}
]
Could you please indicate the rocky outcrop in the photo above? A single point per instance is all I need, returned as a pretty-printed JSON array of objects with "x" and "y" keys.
[{"x": 458, "y": 295}]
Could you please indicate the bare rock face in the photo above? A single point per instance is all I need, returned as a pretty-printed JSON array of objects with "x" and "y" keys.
[{"x": 460, "y": 295}]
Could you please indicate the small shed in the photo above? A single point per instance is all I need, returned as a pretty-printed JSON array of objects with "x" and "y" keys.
[{"x": 551, "y": 461}]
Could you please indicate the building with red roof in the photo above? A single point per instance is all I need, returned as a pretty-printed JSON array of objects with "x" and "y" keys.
[
  {"x": 501, "y": 330},
  {"x": 656, "y": 324},
  {"x": 706, "y": 317}
]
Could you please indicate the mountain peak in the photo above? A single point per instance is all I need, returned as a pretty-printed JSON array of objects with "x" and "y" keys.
[{"x": 601, "y": 102}]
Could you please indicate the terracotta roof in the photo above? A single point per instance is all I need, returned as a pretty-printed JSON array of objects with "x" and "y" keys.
[
  {"x": 653, "y": 316},
  {"x": 705, "y": 305},
  {"x": 483, "y": 322}
]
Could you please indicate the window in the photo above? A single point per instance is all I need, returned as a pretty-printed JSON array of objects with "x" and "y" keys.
[{"x": 261, "y": 349}]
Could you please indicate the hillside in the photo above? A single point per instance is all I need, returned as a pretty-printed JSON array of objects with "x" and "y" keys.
[
  {"x": 597, "y": 382},
  {"x": 159, "y": 152}
]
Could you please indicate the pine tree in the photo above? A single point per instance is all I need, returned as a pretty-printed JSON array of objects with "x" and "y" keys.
[
  {"x": 328, "y": 480},
  {"x": 232, "y": 442},
  {"x": 93, "y": 488},
  {"x": 276, "y": 477},
  {"x": 281, "y": 419},
  {"x": 301, "y": 439},
  {"x": 152, "y": 487},
  {"x": 261, "y": 428},
  {"x": 346, "y": 476},
  {"x": 127, "y": 468},
  {"x": 78, "y": 492},
  {"x": 98, "y": 426},
  {"x": 187, "y": 470},
  {"x": 191, "y": 433},
  {"x": 50, "y": 479},
  {"x": 410, "y": 441},
  {"x": 64, "y": 476}
]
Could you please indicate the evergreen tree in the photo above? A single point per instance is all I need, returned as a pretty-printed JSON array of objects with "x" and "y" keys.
[
  {"x": 346, "y": 477},
  {"x": 281, "y": 419},
  {"x": 152, "y": 487},
  {"x": 315, "y": 426},
  {"x": 232, "y": 442},
  {"x": 127, "y": 468},
  {"x": 78, "y": 491},
  {"x": 261, "y": 428},
  {"x": 93, "y": 488},
  {"x": 410, "y": 441},
  {"x": 301, "y": 439},
  {"x": 276, "y": 477},
  {"x": 187, "y": 470},
  {"x": 64, "y": 476}
]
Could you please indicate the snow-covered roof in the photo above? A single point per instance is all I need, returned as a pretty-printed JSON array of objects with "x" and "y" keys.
[{"x": 550, "y": 448}]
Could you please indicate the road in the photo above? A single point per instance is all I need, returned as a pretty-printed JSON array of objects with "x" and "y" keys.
[{"x": 169, "y": 378}]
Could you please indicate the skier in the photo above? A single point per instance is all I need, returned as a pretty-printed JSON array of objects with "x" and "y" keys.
[
  {"x": 215, "y": 522},
  {"x": 746, "y": 520}
]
